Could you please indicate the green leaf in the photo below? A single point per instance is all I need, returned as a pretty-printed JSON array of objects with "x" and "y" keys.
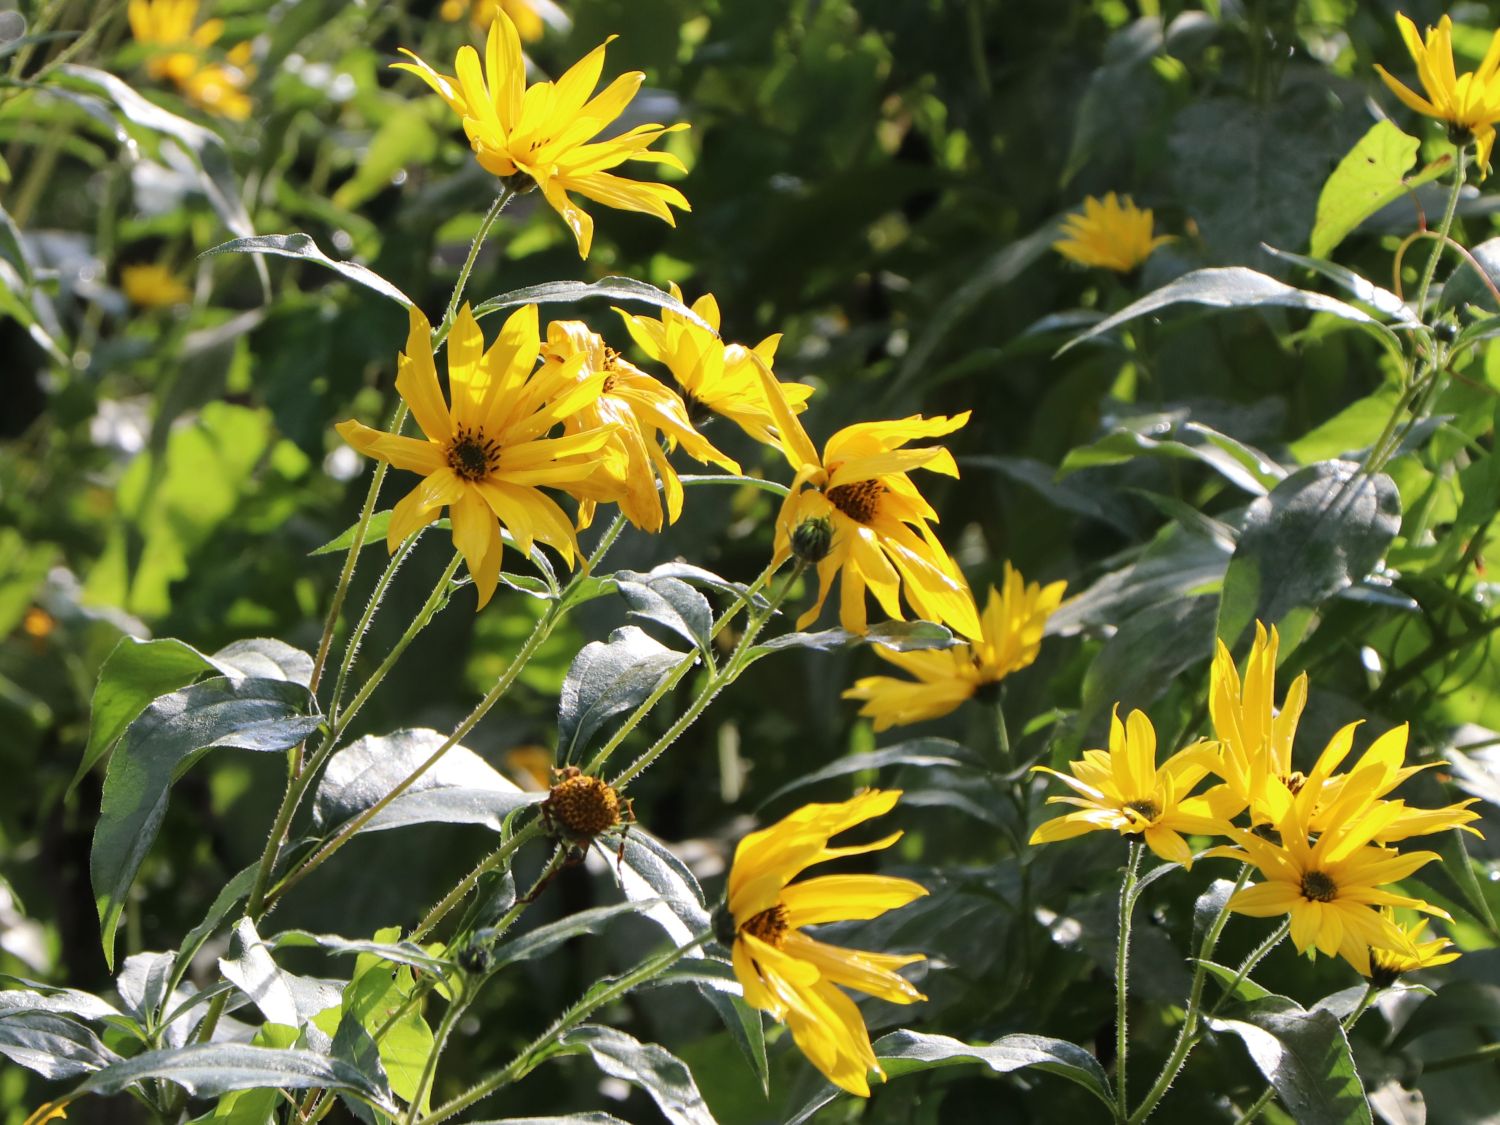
[
  {"x": 1458, "y": 1004},
  {"x": 899, "y": 636},
  {"x": 1360, "y": 288},
  {"x": 52, "y": 1045},
  {"x": 569, "y": 1119},
  {"x": 158, "y": 747},
  {"x": 232, "y": 893},
  {"x": 771, "y": 486},
  {"x": 35, "y": 997},
  {"x": 650, "y": 873},
  {"x": 1175, "y": 565},
  {"x": 1305, "y": 1056},
  {"x": 462, "y": 788},
  {"x": 397, "y": 952},
  {"x": 404, "y": 138},
  {"x": 546, "y": 938},
  {"x": 1245, "y": 990},
  {"x": 1236, "y": 287},
  {"x": 254, "y": 972},
  {"x": 651, "y": 1067},
  {"x": 606, "y": 678},
  {"x": 921, "y": 753},
  {"x": 669, "y": 602},
  {"x": 209, "y": 1069},
  {"x": 374, "y": 536},
  {"x": 1319, "y": 531},
  {"x": 1239, "y": 464},
  {"x": 303, "y": 248},
  {"x": 1371, "y": 176},
  {"x": 569, "y": 292},
  {"x": 377, "y": 992},
  {"x": 266, "y": 658}
]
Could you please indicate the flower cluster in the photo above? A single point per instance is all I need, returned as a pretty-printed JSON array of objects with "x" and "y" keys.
[
  {"x": 184, "y": 56},
  {"x": 1321, "y": 841}
]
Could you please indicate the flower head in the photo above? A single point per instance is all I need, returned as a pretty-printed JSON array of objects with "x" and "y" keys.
[
  {"x": 795, "y": 977},
  {"x": 487, "y": 457},
  {"x": 1012, "y": 625},
  {"x": 1469, "y": 102},
  {"x": 881, "y": 539},
  {"x": 714, "y": 376},
  {"x": 642, "y": 411},
  {"x": 482, "y": 13},
  {"x": 1111, "y": 233},
  {"x": 1123, "y": 790},
  {"x": 544, "y": 132},
  {"x": 1388, "y": 964},
  {"x": 152, "y": 285},
  {"x": 1255, "y": 736},
  {"x": 167, "y": 26},
  {"x": 1330, "y": 887}
]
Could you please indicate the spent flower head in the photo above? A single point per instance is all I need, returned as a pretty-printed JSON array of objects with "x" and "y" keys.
[
  {"x": 544, "y": 134},
  {"x": 795, "y": 977},
  {"x": 1112, "y": 233}
]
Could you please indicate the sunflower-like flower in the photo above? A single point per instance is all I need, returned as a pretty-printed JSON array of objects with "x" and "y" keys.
[
  {"x": 481, "y": 13},
  {"x": 543, "y": 132},
  {"x": 1330, "y": 887},
  {"x": 855, "y": 513},
  {"x": 714, "y": 377},
  {"x": 167, "y": 26},
  {"x": 152, "y": 285},
  {"x": 1123, "y": 790},
  {"x": 641, "y": 411},
  {"x": 794, "y": 977},
  {"x": 487, "y": 457},
  {"x": 1469, "y": 103},
  {"x": 1113, "y": 233},
  {"x": 1012, "y": 625},
  {"x": 1388, "y": 964}
]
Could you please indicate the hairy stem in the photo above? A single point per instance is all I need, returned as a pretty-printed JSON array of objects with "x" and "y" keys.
[{"x": 1122, "y": 975}]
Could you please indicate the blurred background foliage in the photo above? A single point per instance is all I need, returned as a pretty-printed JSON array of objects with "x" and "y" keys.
[{"x": 881, "y": 182}]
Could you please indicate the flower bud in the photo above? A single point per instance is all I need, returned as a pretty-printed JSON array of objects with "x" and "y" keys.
[{"x": 812, "y": 539}]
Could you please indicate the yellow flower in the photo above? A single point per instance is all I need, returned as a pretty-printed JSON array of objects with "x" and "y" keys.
[
  {"x": 48, "y": 1111},
  {"x": 1255, "y": 737},
  {"x": 486, "y": 458},
  {"x": 168, "y": 26},
  {"x": 795, "y": 977},
  {"x": 869, "y": 521},
  {"x": 1388, "y": 964},
  {"x": 1330, "y": 887},
  {"x": 642, "y": 410},
  {"x": 1012, "y": 626},
  {"x": 1109, "y": 233},
  {"x": 1123, "y": 790},
  {"x": 482, "y": 13},
  {"x": 153, "y": 286},
  {"x": 1469, "y": 103},
  {"x": 543, "y": 132},
  {"x": 714, "y": 376}
]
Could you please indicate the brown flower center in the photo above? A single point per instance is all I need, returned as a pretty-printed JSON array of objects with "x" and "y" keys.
[
  {"x": 582, "y": 806},
  {"x": 472, "y": 455},
  {"x": 859, "y": 500},
  {"x": 1318, "y": 887},
  {"x": 1147, "y": 809},
  {"x": 1295, "y": 781},
  {"x": 769, "y": 925}
]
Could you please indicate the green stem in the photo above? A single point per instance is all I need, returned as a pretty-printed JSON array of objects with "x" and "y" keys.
[
  {"x": 450, "y": 1018},
  {"x": 356, "y": 638},
  {"x": 1186, "y": 1034},
  {"x": 1256, "y": 1106},
  {"x": 1460, "y": 174},
  {"x": 1247, "y": 966},
  {"x": 530, "y": 832},
  {"x": 440, "y": 333},
  {"x": 532, "y": 1054},
  {"x": 1122, "y": 976},
  {"x": 1371, "y": 991},
  {"x": 1479, "y": 1054}
]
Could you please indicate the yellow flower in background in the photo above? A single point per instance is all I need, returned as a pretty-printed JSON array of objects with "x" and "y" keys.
[
  {"x": 795, "y": 977},
  {"x": 1330, "y": 888},
  {"x": 544, "y": 132},
  {"x": 180, "y": 57},
  {"x": 642, "y": 411},
  {"x": 1469, "y": 102},
  {"x": 856, "y": 514},
  {"x": 1388, "y": 964},
  {"x": 482, "y": 13},
  {"x": 1255, "y": 736},
  {"x": 1012, "y": 625},
  {"x": 153, "y": 286},
  {"x": 487, "y": 457},
  {"x": 1123, "y": 790},
  {"x": 1111, "y": 233},
  {"x": 713, "y": 376}
]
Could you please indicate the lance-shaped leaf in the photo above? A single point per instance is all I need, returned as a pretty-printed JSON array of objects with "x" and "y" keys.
[
  {"x": 899, "y": 636},
  {"x": 670, "y": 602},
  {"x": 158, "y": 747},
  {"x": 302, "y": 247},
  {"x": 1305, "y": 1056},
  {"x": 1319, "y": 531},
  {"x": 651, "y": 1067},
  {"x": 254, "y": 972},
  {"x": 921, "y": 753},
  {"x": 608, "y": 677},
  {"x": 462, "y": 788},
  {"x": 546, "y": 938},
  {"x": 571, "y": 292},
  {"x": 52, "y": 1045}
]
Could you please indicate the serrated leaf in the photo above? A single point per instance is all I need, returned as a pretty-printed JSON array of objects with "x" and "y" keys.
[
  {"x": 52, "y": 1045},
  {"x": 302, "y": 247},
  {"x": 651, "y": 1067},
  {"x": 1235, "y": 287},
  {"x": 570, "y": 292},
  {"x": 1305, "y": 1056},
  {"x": 1319, "y": 531},
  {"x": 462, "y": 788},
  {"x": 1371, "y": 176},
  {"x": 158, "y": 747},
  {"x": 606, "y": 678}
]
